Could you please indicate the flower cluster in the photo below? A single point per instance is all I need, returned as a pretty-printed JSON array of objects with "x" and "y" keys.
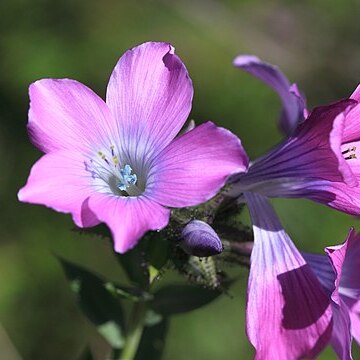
[
  {"x": 127, "y": 160},
  {"x": 305, "y": 301}
]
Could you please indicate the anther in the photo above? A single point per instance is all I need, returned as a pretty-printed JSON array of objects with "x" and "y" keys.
[
  {"x": 115, "y": 160},
  {"x": 352, "y": 156},
  {"x": 349, "y": 150},
  {"x": 102, "y": 155}
]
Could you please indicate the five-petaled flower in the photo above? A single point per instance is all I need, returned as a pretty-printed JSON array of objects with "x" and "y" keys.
[
  {"x": 119, "y": 161},
  {"x": 319, "y": 158}
]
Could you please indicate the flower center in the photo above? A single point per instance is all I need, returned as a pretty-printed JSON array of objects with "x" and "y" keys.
[
  {"x": 108, "y": 176},
  {"x": 126, "y": 178},
  {"x": 349, "y": 153}
]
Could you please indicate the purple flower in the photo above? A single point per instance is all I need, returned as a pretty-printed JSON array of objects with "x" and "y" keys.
[
  {"x": 200, "y": 239},
  {"x": 318, "y": 160},
  {"x": 339, "y": 274},
  {"x": 119, "y": 161},
  {"x": 288, "y": 314}
]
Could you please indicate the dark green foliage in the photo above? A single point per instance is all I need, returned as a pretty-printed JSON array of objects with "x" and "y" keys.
[
  {"x": 176, "y": 299},
  {"x": 95, "y": 300},
  {"x": 153, "y": 341}
]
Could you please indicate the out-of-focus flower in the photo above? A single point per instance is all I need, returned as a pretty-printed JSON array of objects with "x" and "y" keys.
[
  {"x": 118, "y": 161},
  {"x": 313, "y": 155},
  {"x": 288, "y": 314},
  {"x": 339, "y": 274},
  {"x": 293, "y": 101},
  {"x": 318, "y": 160},
  {"x": 200, "y": 239}
]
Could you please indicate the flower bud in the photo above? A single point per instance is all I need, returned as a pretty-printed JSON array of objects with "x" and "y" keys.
[{"x": 200, "y": 239}]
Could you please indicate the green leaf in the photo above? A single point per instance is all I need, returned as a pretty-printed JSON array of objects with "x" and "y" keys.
[
  {"x": 176, "y": 299},
  {"x": 157, "y": 251},
  {"x": 86, "y": 354},
  {"x": 98, "y": 304},
  {"x": 153, "y": 341},
  {"x": 111, "y": 332},
  {"x": 95, "y": 300}
]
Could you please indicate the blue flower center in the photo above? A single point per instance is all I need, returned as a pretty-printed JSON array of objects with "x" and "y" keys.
[{"x": 126, "y": 179}]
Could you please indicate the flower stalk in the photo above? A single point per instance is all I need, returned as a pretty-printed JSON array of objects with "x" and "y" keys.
[{"x": 135, "y": 330}]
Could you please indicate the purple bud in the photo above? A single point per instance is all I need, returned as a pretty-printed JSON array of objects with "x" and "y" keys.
[{"x": 200, "y": 239}]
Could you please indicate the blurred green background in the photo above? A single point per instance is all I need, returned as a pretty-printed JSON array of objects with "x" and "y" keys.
[{"x": 315, "y": 42}]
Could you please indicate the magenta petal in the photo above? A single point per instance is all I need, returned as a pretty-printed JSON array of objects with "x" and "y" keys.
[
  {"x": 349, "y": 282},
  {"x": 323, "y": 269},
  {"x": 311, "y": 155},
  {"x": 341, "y": 334},
  {"x": 292, "y": 100},
  {"x": 65, "y": 114},
  {"x": 352, "y": 125},
  {"x": 128, "y": 217},
  {"x": 57, "y": 180},
  {"x": 288, "y": 312},
  {"x": 149, "y": 94},
  {"x": 356, "y": 94},
  {"x": 334, "y": 194},
  {"x": 336, "y": 142},
  {"x": 355, "y": 326},
  {"x": 337, "y": 255},
  {"x": 195, "y": 166},
  {"x": 345, "y": 261}
]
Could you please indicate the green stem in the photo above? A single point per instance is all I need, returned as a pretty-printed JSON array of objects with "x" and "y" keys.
[{"x": 136, "y": 327}]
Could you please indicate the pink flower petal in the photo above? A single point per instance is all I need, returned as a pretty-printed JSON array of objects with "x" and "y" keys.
[
  {"x": 292, "y": 100},
  {"x": 339, "y": 274},
  {"x": 149, "y": 94},
  {"x": 350, "y": 274},
  {"x": 355, "y": 326},
  {"x": 336, "y": 142},
  {"x": 128, "y": 217},
  {"x": 195, "y": 166},
  {"x": 341, "y": 335},
  {"x": 58, "y": 180},
  {"x": 337, "y": 255},
  {"x": 288, "y": 312},
  {"x": 334, "y": 194},
  {"x": 323, "y": 269},
  {"x": 65, "y": 114},
  {"x": 309, "y": 155},
  {"x": 352, "y": 125}
]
